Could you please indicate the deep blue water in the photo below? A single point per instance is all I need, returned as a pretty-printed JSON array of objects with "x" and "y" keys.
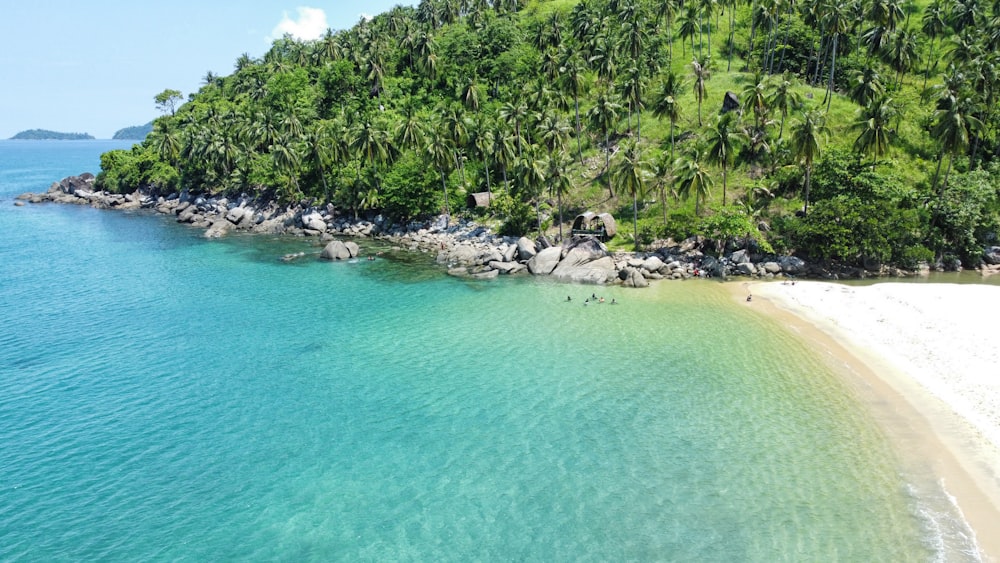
[{"x": 165, "y": 397}]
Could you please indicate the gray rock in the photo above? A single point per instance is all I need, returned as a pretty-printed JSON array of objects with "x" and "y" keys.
[
  {"x": 652, "y": 264},
  {"x": 545, "y": 261},
  {"x": 746, "y": 269},
  {"x": 526, "y": 249},
  {"x": 792, "y": 264},
  {"x": 485, "y": 275},
  {"x": 740, "y": 257},
  {"x": 510, "y": 252},
  {"x": 353, "y": 248},
  {"x": 591, "y": 271},
  {"x": 772, "y": 267},
  {"x": 635, "y": 279},
  {"x": 508, "y": 268},
  {"x": 336, "y": 250},
  {"x": 218, "y": 228},
  {"x": 991, "y": 255}
]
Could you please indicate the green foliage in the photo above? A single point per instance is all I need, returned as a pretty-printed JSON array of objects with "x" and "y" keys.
[
  {"x": 167, "y": 100},
  {"x": 732, "y": 223},
  {"x": 846, "y": 229},
  {"x": 411, "y": 189},
  {"x": 44, "y": 134},
  {"x": 123, "y": 171},
  {"x": 969, "y": 216}
]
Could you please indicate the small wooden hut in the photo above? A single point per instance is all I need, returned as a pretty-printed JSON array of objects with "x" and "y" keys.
[
  {"x": 599, "y": 225},
  {"x": 479, "y": 199}
]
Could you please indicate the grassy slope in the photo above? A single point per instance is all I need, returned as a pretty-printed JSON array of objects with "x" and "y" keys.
[{"x": 912, "y": 158}]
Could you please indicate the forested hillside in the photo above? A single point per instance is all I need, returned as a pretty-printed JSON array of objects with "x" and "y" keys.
[{"x": 858, "y": 130}]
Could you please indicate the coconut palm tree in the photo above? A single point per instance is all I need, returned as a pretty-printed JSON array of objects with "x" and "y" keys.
[
  {"x": 667, "y": 105},
  {"x": 806, "y": 136},
  {"x": 953, "y": 126},
  {"x": 558, "y": 178},
  {"x": 723, "y": 142},
  {"x": 629, "y": 175},
  {"x": 933, "y": 26},
  {"x": 571, "y": 71},
  {"x": 784, "y": 98},
  {"x": 866, "y": 86},
  {"x": 438, "y": 152},
  {"x": 603, "y": 117},
  {"x": 873, "y": 124},
  {"x": 692, "y": 178}
]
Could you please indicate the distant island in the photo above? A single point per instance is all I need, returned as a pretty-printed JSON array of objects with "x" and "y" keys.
[
  {"x": 134, "y": 133},
  {"x": 43, "y": 134}
]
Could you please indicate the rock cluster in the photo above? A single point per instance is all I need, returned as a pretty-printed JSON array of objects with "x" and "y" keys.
[{"x": 465, "y": 248}]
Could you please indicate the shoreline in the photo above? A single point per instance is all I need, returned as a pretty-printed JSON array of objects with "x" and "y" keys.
[{"x": 918, "y": 357}]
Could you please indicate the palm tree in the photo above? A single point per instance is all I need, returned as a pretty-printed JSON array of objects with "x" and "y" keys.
[
  {"x": 666, "y": 104},
  {"x": 531, "y": 176},
  {"x": 784, "y": 98},
  {"x": 515, "y": 112},
  {"x": 835, "y": 23},
  {"x": 954, "y": 124},
  {"x": 867, "y": 86},
  {"x": 287, "y": 160},
  {"x": 806, "y": 145},
  {"x": 933, "y": 26},
  {"x": 572, "y": 71},
  {"x": 701, "y": 74},
  {"x": 902, "y": 53},
  {"x": 663, "y": 176},
  {"x": 723, "y": 142},
  {"x": 438, "y": 151},
  {"x": 629, "y": 176},
  {"x": 603, "y": 116},
  {"x": 692, "y": 178},
  {"x": 873, "y": 124},
  {"x": 558, "y": 179}
]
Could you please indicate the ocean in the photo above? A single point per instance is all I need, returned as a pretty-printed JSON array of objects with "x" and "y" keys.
[{"x": 167, "y": 397}]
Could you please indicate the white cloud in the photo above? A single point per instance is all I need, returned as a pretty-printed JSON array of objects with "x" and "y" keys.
[{"x": 311, "y": 24}]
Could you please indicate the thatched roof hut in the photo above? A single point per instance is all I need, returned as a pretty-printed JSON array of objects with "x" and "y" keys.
[
  {"x": 479, "y": 199},
  {"x": 600, "y": 225}
]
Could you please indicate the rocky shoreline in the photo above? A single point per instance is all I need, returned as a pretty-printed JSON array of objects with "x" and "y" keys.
[{"x": 465, "y": 249}]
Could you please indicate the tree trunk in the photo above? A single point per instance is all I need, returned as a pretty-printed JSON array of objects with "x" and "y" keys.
[
  {"x": 805, "y": 208},
  {"x": 579, "y": 147},
  {"x": 447, "y": 210},
  {"x": 833, "y": 68}
]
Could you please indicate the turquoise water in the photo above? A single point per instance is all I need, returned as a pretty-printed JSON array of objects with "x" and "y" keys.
[{"x": 164, "y": 397}]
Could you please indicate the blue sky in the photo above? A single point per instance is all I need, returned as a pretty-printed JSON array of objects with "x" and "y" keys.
[{"x": 93, "y": 66}]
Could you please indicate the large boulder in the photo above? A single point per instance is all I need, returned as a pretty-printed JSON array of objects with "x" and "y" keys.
[
  {"x": 526, "y": 249},
  {"x": 746, "y": 269},
  {"x": 633, "y": 278},
  {"x": 580, "y": 267},
  {"x": 792, "y": 264},
  {"x": 461, "y": 255},
  {"x": 584, "y": 260},
  {"x": 652, "y": 264},
  {"x": 336, "y": 250},
  {"x": 508, "y": 268},
  {"x": 314, "y": 221},
  {"x": 991, "y": 255},
  {"x": 740, "y": 257},
  {"x": 545, "y": 261}
]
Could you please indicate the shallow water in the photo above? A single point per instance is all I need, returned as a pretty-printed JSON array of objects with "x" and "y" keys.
[{"x": 167, "y": 397}]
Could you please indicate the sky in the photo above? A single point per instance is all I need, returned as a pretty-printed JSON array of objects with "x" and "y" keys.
[{"x": 94, "y": 66}]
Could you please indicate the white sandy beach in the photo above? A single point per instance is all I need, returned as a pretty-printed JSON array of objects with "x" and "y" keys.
[{"x": 936, "y": 346}]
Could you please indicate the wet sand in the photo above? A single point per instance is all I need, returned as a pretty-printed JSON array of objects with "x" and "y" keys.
[{"x": 925, "y": 359}]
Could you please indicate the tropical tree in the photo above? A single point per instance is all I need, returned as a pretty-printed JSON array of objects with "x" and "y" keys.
[
  {"x": 953, "y": 125},
  {"x": 873, "y": 124},
  {"x": 629, "y": 175},
  {"x": 692, "y": 178},
  {"x": 603, "y": 116},
  {"x": 723, "y": 141},
  {"x": 557, "y": 177},
  {"x": 666, "y": 104},
  {"x": 784, "y": 98},
  {"x": 806, "y": 136}
]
